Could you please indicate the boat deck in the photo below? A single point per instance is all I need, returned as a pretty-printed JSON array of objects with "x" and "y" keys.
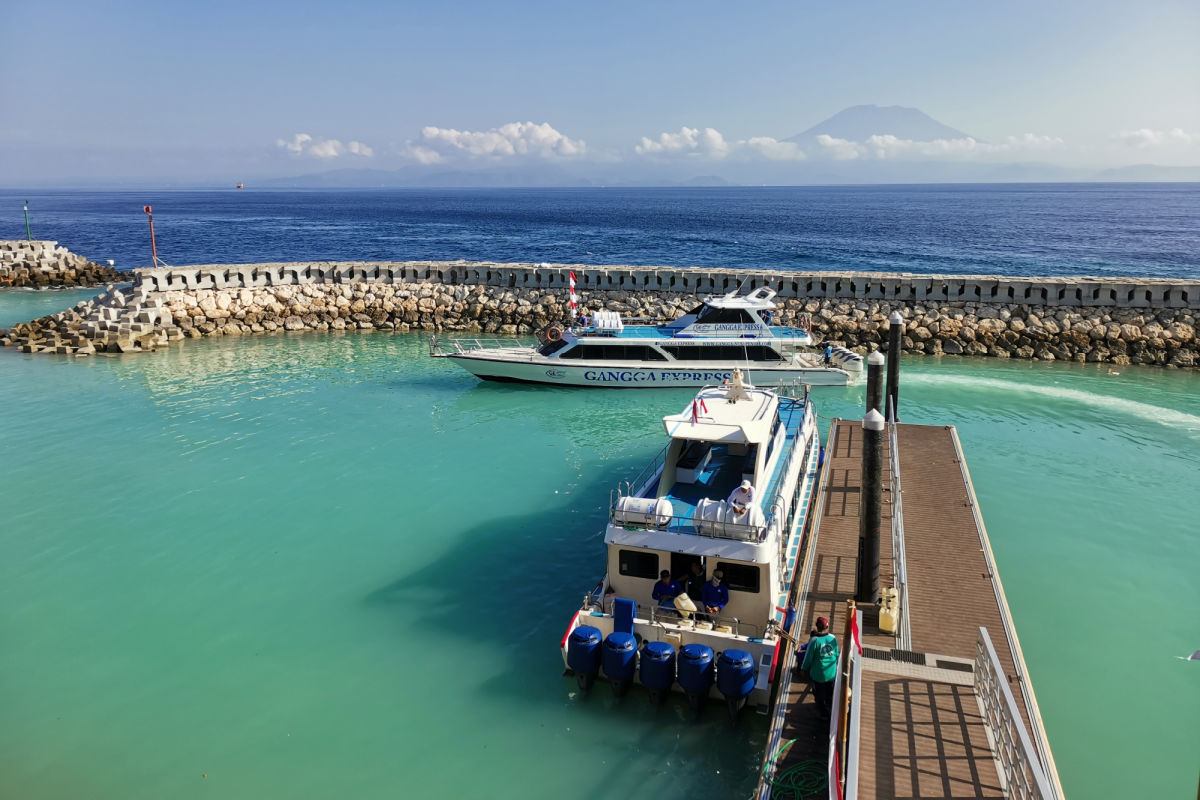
[
  {"x": 922, "y": 728},
  {"x": 724, "y": 471}
]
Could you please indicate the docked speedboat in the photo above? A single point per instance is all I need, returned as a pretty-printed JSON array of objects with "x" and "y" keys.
[
  {"x": 686, "y": 514},
  {"x": 701, "y": 348}
]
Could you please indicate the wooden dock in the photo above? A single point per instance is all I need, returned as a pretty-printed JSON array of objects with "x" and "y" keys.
[{"x": 927, "y": 722}]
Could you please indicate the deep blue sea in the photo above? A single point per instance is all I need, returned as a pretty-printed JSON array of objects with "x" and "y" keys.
[{"x": 1006, "y": 229}]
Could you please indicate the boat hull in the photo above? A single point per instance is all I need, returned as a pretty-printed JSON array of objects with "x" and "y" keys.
[{"x": 643, "y": 376}]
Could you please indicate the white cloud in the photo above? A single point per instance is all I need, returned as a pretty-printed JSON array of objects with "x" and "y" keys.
[
  {"x": 301, "y": 144},
  {"x": 710, "y": 143},
  {"x": 775, "y": 149},
  {"x": 513, "y": 139},
  {"x": 886, "y": 146},
  {"x": 1146, "y": 139}
]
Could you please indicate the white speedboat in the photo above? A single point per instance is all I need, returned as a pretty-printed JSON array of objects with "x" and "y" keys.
[
  {"x": 676, "y": 515},
  {"x": 700, "y": 348}
]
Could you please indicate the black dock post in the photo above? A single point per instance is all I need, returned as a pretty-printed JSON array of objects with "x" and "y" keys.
[
  {"x": 870, "y": 514},
  {"x": 895, "y": 334},
  {"x": 875, "y": 382}
]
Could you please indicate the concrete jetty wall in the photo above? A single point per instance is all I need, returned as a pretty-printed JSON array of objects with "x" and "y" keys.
[
  {"x": 1119, "y": 321},
  {"x": 42, "y": 264}
]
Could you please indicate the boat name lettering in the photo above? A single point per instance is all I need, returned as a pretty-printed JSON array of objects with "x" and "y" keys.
[{"x": 652, "y": 376}]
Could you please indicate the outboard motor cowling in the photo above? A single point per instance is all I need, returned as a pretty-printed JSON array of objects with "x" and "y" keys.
[
  {"x": 619, "y": 660},
  {"x": 658, "y": 670},
  {"x": 735, "y": 678},
  {"x": 583, "y": 655},
  {"x": 697, "y": 671}
]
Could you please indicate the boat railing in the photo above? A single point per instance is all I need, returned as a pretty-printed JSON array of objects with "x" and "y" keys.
[
  {"x": 1022, "y": 770},
  {"x": 439, "y": 346},
  {"x": 657, "y": 615},
  {"x": 685, "y": 525}
]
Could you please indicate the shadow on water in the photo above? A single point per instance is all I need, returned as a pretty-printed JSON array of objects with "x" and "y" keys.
[{"x": 488, "y": 570}]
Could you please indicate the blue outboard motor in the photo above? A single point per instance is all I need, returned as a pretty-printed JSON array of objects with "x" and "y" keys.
[
  {"x": 696, "y": 673},
  {"x": 658, "y": 670},
  {"x": 620, "y": 661},
  {"x": 735, "y": 679},
  {"x": 583, "y": 655}
]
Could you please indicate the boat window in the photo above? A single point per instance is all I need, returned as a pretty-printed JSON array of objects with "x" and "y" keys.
[
  {"x": 552, "y": 347},
  {"x": 722, "y": 352},
  {"x": 615, "y": 352},
  {"x": 740, "y": 577},
  {"x": 639, "y": 564},
  {"x": 711, "y": 315}
]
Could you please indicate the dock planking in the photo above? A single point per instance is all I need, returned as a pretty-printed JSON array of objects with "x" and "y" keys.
[{"x": 923, "y": 733}]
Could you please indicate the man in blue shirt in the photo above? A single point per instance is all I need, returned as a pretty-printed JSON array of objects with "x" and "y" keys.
[
  {"x": 665, "y": 590},
  {"x": 716, "y": 594},
  {"x": 828, "y": 354}
]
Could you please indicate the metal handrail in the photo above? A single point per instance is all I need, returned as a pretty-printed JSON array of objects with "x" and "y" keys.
[
  {"x": 855, "y": 723},
  {"x": 899, "y": 564},
  {"x": 1022, "y": 770}
]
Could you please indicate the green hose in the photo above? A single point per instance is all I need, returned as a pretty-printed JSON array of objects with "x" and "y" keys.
[{"x": 799, "y": 781}]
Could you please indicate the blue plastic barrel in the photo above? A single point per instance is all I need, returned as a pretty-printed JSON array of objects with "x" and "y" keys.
[
  {"x": 619, "y": 660},
  {"x": 583, "y": 654},
  {"x": 658, "y": 669},
  {"x": 735, "y": 674}
]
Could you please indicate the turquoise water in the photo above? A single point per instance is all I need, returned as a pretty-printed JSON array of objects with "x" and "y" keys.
[{"x": 317, "y": 565}]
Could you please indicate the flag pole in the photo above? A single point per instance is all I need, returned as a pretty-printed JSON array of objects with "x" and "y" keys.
[
  {"x": 153, "y": 246},
  {"x": 28, "y": 235}
]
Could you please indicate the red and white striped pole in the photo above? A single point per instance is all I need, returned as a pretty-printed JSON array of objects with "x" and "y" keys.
[{"x": 574, "y": 299}]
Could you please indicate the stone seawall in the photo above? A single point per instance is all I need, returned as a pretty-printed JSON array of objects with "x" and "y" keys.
[
  {"x": 42, "y": 264},
  {"x": 1123, "y": 321}
]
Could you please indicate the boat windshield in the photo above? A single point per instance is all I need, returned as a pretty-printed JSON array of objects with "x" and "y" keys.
[{"x": 711, "y": 315}]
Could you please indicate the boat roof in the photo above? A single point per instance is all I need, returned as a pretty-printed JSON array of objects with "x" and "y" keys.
[
  {"x": 723, "y": 414},
  {"x": 760, "y": 298}
]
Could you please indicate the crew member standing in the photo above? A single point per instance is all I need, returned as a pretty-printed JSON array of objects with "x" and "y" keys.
[{"x": 821, "y": 662}]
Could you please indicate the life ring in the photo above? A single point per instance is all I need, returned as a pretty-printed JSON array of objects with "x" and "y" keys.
[{"x": 554, "y": 333}]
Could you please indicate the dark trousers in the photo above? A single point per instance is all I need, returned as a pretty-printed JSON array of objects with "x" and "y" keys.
[{"x": 823, "y": 694}]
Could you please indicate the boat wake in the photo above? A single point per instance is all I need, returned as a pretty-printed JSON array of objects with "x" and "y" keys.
[{"x": 1151, "y": 413}]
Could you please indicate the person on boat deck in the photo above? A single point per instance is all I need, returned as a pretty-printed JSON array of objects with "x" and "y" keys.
[
  {"x": 665, "y": 590},
  {"x": 741, "y": 497},
  {"x": 828, "y": 354},
  {"x": 716, "y": 594},
  {"x": 693, "y": 582},
  {"x": 821, "y": 661}
]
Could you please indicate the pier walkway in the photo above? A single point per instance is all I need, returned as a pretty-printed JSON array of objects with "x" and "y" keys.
[{"x": 927, "y": 718}]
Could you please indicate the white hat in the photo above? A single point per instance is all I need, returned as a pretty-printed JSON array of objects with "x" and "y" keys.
[{"x": 746, "y": 485}]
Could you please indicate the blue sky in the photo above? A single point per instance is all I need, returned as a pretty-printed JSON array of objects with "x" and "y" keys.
[{"x": 189, "y": 91}]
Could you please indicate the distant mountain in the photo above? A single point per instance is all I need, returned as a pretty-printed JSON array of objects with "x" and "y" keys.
[
  {"x": 858, "y": 123},
  {"x": 1148, "y": 172}
]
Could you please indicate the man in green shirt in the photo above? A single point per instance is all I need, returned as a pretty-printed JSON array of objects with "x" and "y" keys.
[{"x": 821, "y": 662}]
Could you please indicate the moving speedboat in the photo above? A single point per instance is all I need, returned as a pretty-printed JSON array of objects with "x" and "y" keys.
[
  {"x": 701, "y": 348},
  {"x": 681, "y": 513}
]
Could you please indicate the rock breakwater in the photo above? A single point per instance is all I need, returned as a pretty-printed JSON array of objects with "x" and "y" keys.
[
  {"x": 43, "y": 265},
  {"x": 1152, "y": 323}
]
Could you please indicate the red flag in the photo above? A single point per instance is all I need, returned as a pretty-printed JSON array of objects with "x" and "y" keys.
[
  {"x": 574, "y": 299},
  {"x": 703, "y": 407},
  {"x": 854, "y": 631},
  {"x": 695, "y": 413}
]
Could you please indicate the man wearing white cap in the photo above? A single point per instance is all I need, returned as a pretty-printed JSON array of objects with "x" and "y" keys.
[{"x": 741, "y": 498}]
